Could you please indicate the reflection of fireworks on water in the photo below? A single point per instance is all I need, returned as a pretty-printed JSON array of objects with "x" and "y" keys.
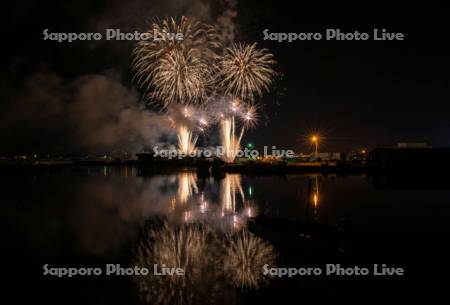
[
  {"x": 230, "y": 214},
  {"x": 187, "y": 185},
  {"x": 250, "y": 209},
  {"x": 224, "y": 207},
  {"x": 176, "y": 70},
  {"x": 188, "y": 248},
  {"x": 207, "y": 259},
  {"x": 245, "y": 256},
  {"x": 230, "y": 186},
  {"x": 246, "y": 72}
]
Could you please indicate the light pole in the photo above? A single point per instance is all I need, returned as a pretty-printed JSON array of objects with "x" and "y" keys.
[{"x": 315, "y": 141}]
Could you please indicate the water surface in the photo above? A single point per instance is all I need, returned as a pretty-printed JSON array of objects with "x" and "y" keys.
[{"x": 92, "y": 216}]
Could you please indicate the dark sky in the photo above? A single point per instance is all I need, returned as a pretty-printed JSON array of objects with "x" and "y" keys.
[{"x": 355, "y": 93}]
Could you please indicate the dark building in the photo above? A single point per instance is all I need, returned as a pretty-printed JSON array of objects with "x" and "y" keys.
[{"x": 405, "y": 157}]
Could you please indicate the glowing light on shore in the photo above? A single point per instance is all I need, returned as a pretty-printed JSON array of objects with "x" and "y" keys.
[{"x": 315, "y": 141}]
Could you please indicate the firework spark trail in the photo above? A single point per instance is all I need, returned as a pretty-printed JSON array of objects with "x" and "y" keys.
[
  {"x": 185, "y": 119},
  {"x": 230, "y": 143},
  {"x": 186, "y": 140},
  {"x": 185, "y": 137},
  {"x": 231, "y": 114}
]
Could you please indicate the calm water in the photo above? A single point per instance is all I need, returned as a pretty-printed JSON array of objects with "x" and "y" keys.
[{"x": 93, "y": 216}]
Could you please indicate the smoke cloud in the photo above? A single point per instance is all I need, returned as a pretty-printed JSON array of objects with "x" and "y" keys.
[
  {"x": 93, "y": 113},
  {"x": 108, "y": 116},
  {"x": 136, "y": 14}
]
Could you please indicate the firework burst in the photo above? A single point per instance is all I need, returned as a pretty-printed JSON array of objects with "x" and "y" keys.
[
  {"x": 190, "y": 72},
  {"x": 245, "y": 71},
  {"x": 176, "y": 71}
]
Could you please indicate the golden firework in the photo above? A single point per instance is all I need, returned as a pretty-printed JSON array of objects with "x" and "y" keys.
[
  {"x": 246, "y": 72},
  {"x": 171, "y": 70}
]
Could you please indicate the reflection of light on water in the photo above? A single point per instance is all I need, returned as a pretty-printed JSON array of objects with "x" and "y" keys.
[
  {"x": 187, "y": 185},
  {"x": 316, "y": 193},
  {"x": 235, "y": 221},
  {"x": 315, "y": 196},
  {"x": 187, "y": 216},
  {"x": 203, "y": 207},
  {"x": 231, "y": 185},
  {"x": 128, "y": 171},
  {"x": 203, "y": 204}
]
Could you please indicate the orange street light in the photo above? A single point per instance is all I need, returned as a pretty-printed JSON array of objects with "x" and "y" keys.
[{"x": 315, "y": 141}]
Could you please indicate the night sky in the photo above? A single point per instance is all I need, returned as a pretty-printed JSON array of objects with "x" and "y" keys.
[{"x": 356, "y": 94}]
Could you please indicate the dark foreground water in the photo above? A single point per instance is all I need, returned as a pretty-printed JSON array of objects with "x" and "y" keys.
[{"x": 224, "y": 232}]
